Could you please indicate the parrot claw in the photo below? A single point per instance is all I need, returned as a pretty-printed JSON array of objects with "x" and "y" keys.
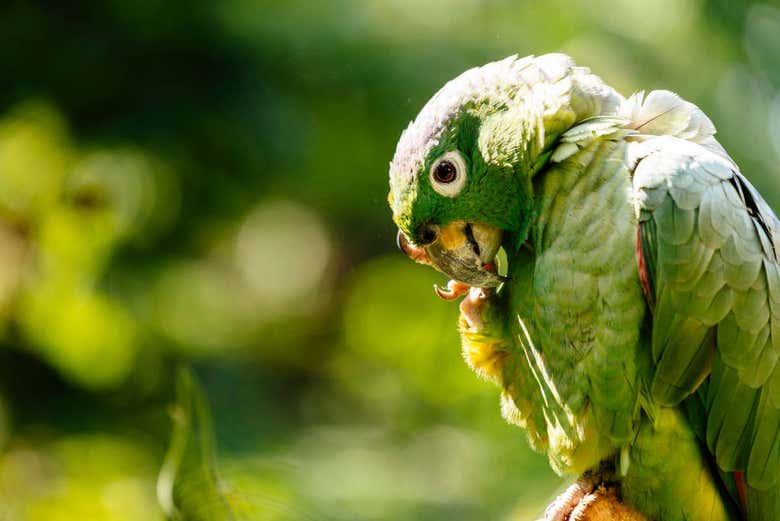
[
  {"x": 563, "y": 506},
  {"x": 454, "y": 290},
  {"x": 583, "y": 501}
]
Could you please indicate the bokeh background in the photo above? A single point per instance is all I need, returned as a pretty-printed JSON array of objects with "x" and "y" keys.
[{"x": 203, "y": 184}]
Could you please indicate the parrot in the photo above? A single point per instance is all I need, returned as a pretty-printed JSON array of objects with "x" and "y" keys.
[{"x": 619, "y": 280}]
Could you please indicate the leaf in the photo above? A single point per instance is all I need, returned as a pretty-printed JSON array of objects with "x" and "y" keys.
[{"x": 188, "y": 487}]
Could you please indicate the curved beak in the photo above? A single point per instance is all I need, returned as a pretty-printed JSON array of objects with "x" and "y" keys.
[{"x": 462, "y": 251}]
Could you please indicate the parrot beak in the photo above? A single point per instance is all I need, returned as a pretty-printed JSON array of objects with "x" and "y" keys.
[{"x": 462, "y": 251}]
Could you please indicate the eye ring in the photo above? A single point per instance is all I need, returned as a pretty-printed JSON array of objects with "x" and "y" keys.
[{"x": 448, "y": 174}]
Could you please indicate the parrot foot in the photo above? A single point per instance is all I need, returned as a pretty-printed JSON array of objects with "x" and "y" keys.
[
  {"x": 583, "y": 501},
  {"x": 472, "y": 306},
  {"x": 454, "y": 290}
]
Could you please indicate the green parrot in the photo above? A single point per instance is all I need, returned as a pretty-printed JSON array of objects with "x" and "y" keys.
[{"x": 634, "y": 329}]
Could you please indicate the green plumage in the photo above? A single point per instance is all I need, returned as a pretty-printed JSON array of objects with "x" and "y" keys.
[{"x": 664, "y": 372}]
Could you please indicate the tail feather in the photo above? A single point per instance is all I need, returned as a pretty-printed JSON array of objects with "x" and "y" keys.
[{"x": 762, "y": 505}]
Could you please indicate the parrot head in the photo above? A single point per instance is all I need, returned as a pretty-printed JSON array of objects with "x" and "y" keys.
[
  {"x": 461, "y": 179},
  {"x": 461, "y": 175}
]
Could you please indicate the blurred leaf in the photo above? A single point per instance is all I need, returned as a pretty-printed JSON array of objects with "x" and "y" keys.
[
  {"x": 188, "y": 487},
  {"x": 98, "y": 477},
  {"x": 88, "y": 336},
  {"x": 35, "y": 156}
]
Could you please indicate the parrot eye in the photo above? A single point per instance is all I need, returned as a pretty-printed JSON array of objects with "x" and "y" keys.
[
  {"x": 448, "y": 174},
  {"x": 445, "y": 172}
]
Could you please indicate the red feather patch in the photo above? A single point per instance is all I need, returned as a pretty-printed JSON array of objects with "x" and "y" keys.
[
  {"x": 739, "y": 479},
  {"x": 640, "y": 261}
]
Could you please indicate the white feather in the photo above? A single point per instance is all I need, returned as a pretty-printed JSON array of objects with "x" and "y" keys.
[{"x": 663, "y": 112}]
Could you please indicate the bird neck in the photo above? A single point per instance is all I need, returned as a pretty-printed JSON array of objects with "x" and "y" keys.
[
  {"x": 538, "y": 119},
  {"x": 571, "y": 194}
]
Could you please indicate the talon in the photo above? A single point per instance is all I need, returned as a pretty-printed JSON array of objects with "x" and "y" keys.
[
  {"x": 603, "y": 505},
  {"x": 444, "y": 294},
  {"x": 585, "y": 502},
  {"x": 454, "y": 290},
  {"x": 563, "y": 506}
]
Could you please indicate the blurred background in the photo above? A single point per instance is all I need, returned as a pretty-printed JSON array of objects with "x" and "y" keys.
[{"x": 204, "y": 183}]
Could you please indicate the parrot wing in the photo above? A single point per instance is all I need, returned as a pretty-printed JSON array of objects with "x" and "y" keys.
[{"x": 707, "y": 251}]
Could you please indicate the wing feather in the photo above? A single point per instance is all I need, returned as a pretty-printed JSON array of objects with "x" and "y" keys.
[
  {"x": 765, "y": 445},
  {"x": 717, "y": 293},
  {"x": 677, "y": 224}
]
